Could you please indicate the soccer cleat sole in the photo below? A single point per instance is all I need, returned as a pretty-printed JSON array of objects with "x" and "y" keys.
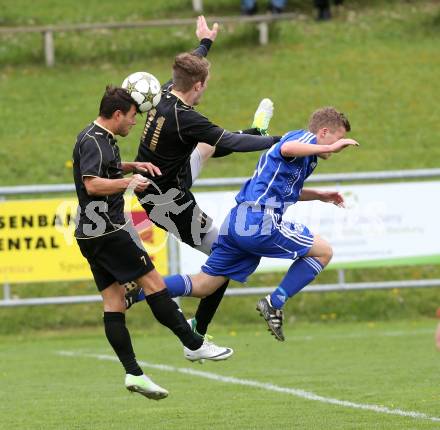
[
  {"x": 271, "y": 329},
  {"x": 153, "y": 395},
  {"x": 220, "y": 357},
  {"x": 196, "y": 360}
]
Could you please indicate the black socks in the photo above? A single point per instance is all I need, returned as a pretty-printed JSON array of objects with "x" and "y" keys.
[
  {"x": 166, "y": 311},
  {"x": 208, "y": 307},
  {"x": 119, "y": 338}
]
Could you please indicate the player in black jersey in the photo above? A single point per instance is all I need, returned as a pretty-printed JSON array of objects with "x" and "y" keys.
[
  {"x": 171, "y": 133},
  {"x": 203, "y": 151},
  {"x": 112, "y": 246}
]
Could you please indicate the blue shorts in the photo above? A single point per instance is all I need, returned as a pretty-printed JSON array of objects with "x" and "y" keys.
[{"x": 246, "y": 236}]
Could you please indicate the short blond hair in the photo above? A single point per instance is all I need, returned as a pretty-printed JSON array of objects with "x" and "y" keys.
[
  {"x": 189, "y": 69},
  {"x": 328, "y": 117}
]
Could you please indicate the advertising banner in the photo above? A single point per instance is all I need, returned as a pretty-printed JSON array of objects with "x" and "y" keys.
[
  {"x": 382, "y": 225},
  {"x": 37, "y": 243}
]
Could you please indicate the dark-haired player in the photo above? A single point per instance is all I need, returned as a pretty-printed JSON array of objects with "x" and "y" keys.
[{"x": 112, "y": 247}]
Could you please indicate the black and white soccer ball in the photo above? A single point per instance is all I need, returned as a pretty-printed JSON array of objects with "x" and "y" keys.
[{"x": 144, "y": 89}]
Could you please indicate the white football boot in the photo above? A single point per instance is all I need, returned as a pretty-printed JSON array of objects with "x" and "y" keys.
[{"x": 144, "y": 385}]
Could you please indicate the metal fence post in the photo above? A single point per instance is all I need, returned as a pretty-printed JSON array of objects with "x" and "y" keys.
[
  {"x": 6, "y": 292},
  {"x": 198, "y": 5},
  {"x": 341, "y": 272},
  {"x": 173, "y": 255},
  {"x": 341, "y": 277},
  {"x": 49, "y": 48},
  {"x": 263, "y": 28},
  {"x": 173, "y": 259}
]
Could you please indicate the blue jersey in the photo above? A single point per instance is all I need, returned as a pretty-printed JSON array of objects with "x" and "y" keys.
[{"x": 277, "y": 181}]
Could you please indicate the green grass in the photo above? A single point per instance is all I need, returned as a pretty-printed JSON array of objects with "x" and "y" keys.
[
  {"x": 378, "y": 65},
  {"x": 22, "y": 12},
  {"x": 393, "y": 365},
  {"x": 378, "y": 62},
  {"x": 367, "y": 306}
]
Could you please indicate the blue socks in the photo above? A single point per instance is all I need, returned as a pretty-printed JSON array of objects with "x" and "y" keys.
[
  {"x": 177, "y": 286},
  {"x": 141, "y": 296},
  {"x": 300, "y": 274}
]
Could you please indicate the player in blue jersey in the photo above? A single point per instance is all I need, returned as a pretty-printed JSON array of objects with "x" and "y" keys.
[{"x": 255, "y": 228}]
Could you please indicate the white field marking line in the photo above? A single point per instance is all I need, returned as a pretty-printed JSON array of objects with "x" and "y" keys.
[
  {"x": 369, "y": 333},
  {"x": 263, "y": 385}
]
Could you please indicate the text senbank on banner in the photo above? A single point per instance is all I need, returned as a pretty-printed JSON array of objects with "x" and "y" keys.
[{"x": 37, "y": 242}]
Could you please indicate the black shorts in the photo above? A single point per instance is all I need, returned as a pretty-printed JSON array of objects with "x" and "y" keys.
[
  {"x": 179, "y": 215},
  {"x": 115, "y": 257}
]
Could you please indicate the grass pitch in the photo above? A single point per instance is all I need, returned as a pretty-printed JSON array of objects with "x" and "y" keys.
[
  {"x": 378, "y": 64},
  {"x": 354, "y": 376}
]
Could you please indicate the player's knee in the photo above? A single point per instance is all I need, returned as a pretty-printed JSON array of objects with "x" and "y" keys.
[
  {"x": 327, "y": 255},
  {"x": 204, "y": 285},
  {"x": 206, "y": 151},
  {"x": 151, "y": 283},
  {"x": 322, "y": 251},
  {"x": 116, "y": 304},
  {"x": 207, "y": 241},
  {"x": 113, "y": 298}
]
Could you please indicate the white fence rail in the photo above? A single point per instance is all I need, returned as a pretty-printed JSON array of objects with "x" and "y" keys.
[
  {"x": 8, "y": 301},
  {"x": 231, "y": 182},
  {"x": 245, "y": 291},
  {"x": 48, "y": 32}
]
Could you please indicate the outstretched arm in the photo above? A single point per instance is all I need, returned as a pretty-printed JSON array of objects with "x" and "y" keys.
[
  {"x": 222, "y": 151},
  {"x": 206, "y": 36},
  {"x": 203, "y": 31},
  {"x": 334, "y": 197},
  {"x": 236, "y": 142},
  {"x": 294, "y": 148}
]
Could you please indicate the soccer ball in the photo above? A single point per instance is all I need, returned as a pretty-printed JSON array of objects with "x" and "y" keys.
[{"x": 144, "y": 89}]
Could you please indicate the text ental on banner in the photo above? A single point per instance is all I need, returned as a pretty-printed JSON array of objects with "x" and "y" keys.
[{"x": 37, "y": 242}]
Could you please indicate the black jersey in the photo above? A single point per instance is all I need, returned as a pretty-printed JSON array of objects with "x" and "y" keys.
[
  {"x": 170, "y": 135},
  {"x": 173, "y": 130},
  {"x": 97, "y": 154}
]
